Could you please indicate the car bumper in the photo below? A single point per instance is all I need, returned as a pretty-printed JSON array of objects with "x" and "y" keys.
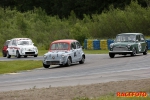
[
  {"x": 121, "y": 52},
  {"x": 55, "y": 62},
  {"x": 27, "y": 53}
]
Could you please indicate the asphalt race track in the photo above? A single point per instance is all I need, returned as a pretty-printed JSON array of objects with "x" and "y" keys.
[{"x": 97, "y": 68}]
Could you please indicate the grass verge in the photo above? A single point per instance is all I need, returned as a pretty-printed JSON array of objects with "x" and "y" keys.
[
  {"x": 109, "y": 97},
  {"x": 16, "y": 66}
]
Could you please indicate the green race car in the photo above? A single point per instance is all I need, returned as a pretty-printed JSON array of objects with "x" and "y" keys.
[{"x": 128, "y": 43}]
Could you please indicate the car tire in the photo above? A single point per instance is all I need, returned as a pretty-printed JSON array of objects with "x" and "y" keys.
[
  {"x": 35, "y": 55},
  {"x": 8, "y": 56},
  {"x": 61, "y": 65},
  {"x": 4, "y": 54},
  {"x": 68, "y": 62},
  {"x": 111, "y": 55},
  {"x": 17, "y": 54},
  {"x": 25, "y": 56},
  {"x": 82, "y": 60},
  {"x": 133, "y": 52},
  {"x": 145, "y": 52},
  {"x": 46, "y": 66}
]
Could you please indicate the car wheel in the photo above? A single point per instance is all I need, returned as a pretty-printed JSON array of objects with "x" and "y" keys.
[
  {"x": 133, "y": 52},
  {"x": 25, "y": 56},
  {"x": 61, "y": 65},
  {"x": 8, "y": 56},
  {"x": 4, "y": 54},
  {"x": 145, "y": 52},
  {"x": 82, "y": 60},
  {"x": 17, "y": 54},
  {"x": 68, "y": 62},
  {"x": 35, "y": 55},
  {"x": 111, "y": 55},
  {"x": 46, "y": 66}
]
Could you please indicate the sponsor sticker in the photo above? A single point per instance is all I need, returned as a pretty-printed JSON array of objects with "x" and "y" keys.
[{"x": 131, "y": 94}]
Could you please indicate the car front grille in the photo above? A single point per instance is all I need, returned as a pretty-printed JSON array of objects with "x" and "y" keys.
[
  {"x": 53, "y": 62},
  {"x": 29, "y": 53},
  {"x": 120, "y": 49}
]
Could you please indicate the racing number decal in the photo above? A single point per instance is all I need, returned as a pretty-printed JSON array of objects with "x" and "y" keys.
[{"x": 139, "y": 46}]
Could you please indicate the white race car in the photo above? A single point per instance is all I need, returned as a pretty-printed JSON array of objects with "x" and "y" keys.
[
  {"x": 21, "y": 47},
  {"x": 64, "y": 52}
]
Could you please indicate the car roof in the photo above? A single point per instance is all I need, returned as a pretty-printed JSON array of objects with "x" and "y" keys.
[
  {"x": 65, "y": 40},
  {"x": 21, "y": 39},
  {"x": 130, "y": 34}
]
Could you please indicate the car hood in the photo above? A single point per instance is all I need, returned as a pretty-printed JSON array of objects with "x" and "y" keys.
[
  {"x": 59, "y": 52},
  {"x": 122, "y": 43},
  {"x": 26, "y": 46}
]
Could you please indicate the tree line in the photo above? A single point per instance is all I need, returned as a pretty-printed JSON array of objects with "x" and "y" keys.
[
  {"x": 43, "y": 29},
  {"x": 62, "y": 8}
]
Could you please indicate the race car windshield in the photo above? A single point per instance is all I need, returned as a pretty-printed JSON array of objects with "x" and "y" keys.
[
  {"x": 59, "y": 46},
  {"x": 25, "y": 42},
  {"x": 126, "y": 38}
]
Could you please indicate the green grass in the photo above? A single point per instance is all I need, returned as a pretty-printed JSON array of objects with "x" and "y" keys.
[
  {"x": 42, "y": 52},
  {"x": 16, "y": 66},
  {"x": 109, "y": 97}
]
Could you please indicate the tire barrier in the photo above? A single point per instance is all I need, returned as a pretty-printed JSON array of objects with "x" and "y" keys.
[
  {"x": 90, "y": 44},
  {"x": 85, "y": 44},
  {"x": 148, "y": 43},
  {"x": 104, "y": 45},
  {"x": 95, "y": 44},
  {"x": 109, "y": 41}
]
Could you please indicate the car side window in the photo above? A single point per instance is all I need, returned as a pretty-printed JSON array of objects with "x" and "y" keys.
[
  {"x": 138, "y": 38},
  {"x": 78, "y": 45},
  {"x": 73, "y": 45},
  {"x": 142, "y": 38},
  {"x": 13, "y": 42},
  {"x": 10, "y": 43}
]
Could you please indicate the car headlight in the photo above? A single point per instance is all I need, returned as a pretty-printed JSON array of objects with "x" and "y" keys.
[
  {"x": 63, "y": 56},
  {"x": 34, "y": 48},
  {"x": 111, "y": 45},
  {"x": 129, "y": 45},
  {"x": 45, "y": 57}
]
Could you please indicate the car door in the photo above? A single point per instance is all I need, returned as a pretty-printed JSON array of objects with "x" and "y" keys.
[
  {"x": 14, "y": 47},
  {"x": 73, "y": 52},
  {"x": 79, "y": 51},
  {"x": 9, "y": 49},
  {"x": 143, "y": 43},
  {"x": 138, "y": 43}
]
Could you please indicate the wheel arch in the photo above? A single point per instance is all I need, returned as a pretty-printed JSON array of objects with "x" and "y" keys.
[
  {"x": 70, "y": 58},
  {"x": 83, "y": 55}
]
